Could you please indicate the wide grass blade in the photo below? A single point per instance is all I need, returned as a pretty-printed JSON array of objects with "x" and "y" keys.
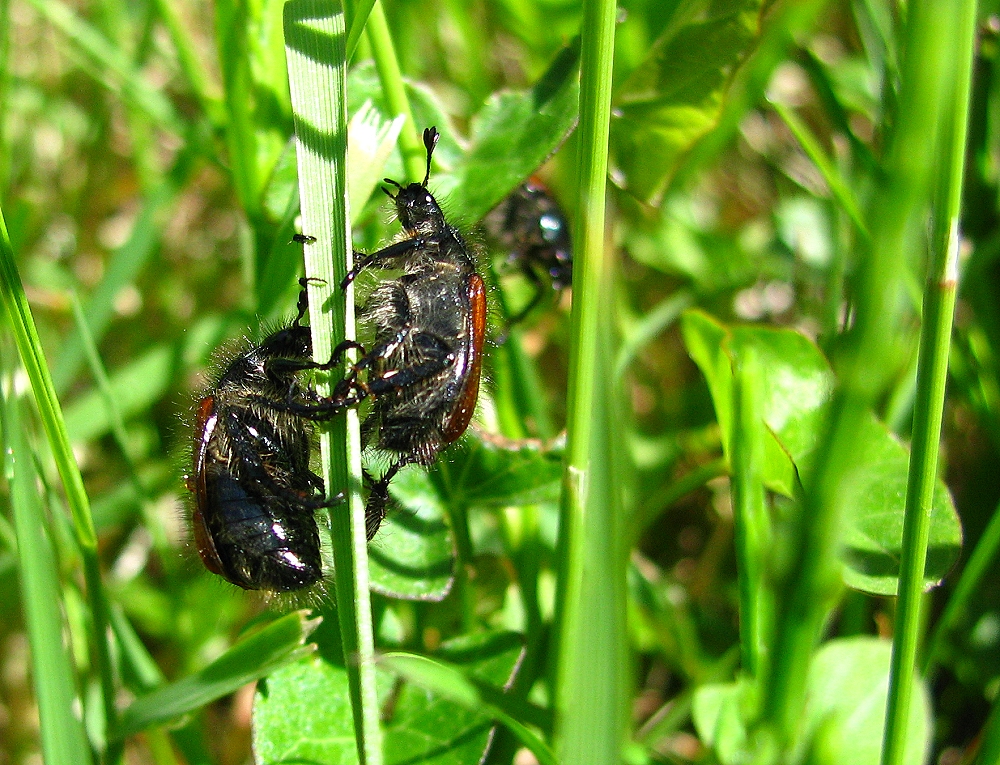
[
  {"x": 317, "y": 71},
  {"x": 590, "y": 693}
]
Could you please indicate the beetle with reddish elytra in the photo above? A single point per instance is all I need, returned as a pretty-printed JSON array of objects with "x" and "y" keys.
[
  {"x": 424, "y": 364},
  {"x": 255, "y": 494},
  {"x": 254, "y": 491}
]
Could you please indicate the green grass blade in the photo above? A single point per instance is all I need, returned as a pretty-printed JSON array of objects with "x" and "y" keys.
[
  {"x": 810, "y": 580},
  {"x": 978, "y": 566},
  {"x": 838, "y": 186},
  {"x": 231, "y": 21},
  {"x": 395, "y": 92},
  {"x": 279, "y": 643},
  {"x": 358, "y": 18},
  {"x": 62, "y": 734},
  {"x": 590, "y": 693},
  {"x": 125, "y": 265},
  {"x": 932, "y": 370},
  {"x": 190, "y": 64},
  {"x": 33, "y": 358},
  {"x": 989, "y": 752},
  {"x": 314, "y": 33}
]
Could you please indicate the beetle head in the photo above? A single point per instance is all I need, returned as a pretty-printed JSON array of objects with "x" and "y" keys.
[{"x": 418, "y": 210}]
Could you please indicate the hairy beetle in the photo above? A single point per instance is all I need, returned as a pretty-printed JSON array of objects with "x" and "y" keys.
[
  {"x": 424, "y": 364},
  {"x": 255, "y": 494}
]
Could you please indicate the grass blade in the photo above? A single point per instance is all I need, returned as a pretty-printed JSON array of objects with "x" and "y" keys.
[
  {"x": 314, "y": 34},
  {"x": 33, "y": 358},
  {"x": 590, "y": 692},
  {"x": 279, "y": 643},
  {"x": 932, "y": 369},
  {"x": 63, "y": 739}
]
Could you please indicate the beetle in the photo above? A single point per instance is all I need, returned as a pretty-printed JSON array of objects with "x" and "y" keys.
[
  {"x": 255, "y": 495},
  {"x": 424, "y": 365},
  {"x": 531, "y": 226}
]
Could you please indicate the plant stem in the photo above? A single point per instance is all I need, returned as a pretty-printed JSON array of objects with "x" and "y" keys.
[
  {"x": 810, "y": 583},
  {"x": 932, "y": 373},
  {"x": 395, "y": 90},
  {"x": 590, "y": 694}
]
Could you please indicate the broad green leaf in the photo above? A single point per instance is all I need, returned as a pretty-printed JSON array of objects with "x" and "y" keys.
[
  {"x": 845, "y": 708},
  {"x": 719, "y": 715},
  {"x": 514, "y": 133},
  {"x": 675, "y": 96},
  {"x": 872, "y": 537},
  {"x": 796, "y": 391},
  {"x": 413, "y": 555},
  {"x": 277, "y": 644},
  {"x": 443, "y": 719},
  {"x": 302, "y": 713},
  {"x": 476, "y": 472}
]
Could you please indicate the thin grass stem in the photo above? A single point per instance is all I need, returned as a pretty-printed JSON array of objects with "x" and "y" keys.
[
  {"x": 62, "y": 735},
  {"x": 33, "y": 358},
  {"x": 932, "y": 373},
  {"x": 394, "y": 89}
]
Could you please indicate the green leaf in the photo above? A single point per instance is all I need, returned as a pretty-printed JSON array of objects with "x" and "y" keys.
[
  {"x": 514, "y": 133},
  {"x": 445, "y": 713},
  {"x": 796, "y": 392},
  {"x": 475, "y": 472},
  {"x": 413, "y": 555},
  {"x": 277, "y": 644},
  {"x": 675, "y": 96},
  {"x": 302, "y": 713},
  {"x": 845, "y": 709},
  {"x": 720, "y": 719}
]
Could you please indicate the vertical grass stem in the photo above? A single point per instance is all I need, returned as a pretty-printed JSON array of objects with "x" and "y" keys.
[
  {"x": 590, "y": 693},
  {"x": 932, "y": 372}
]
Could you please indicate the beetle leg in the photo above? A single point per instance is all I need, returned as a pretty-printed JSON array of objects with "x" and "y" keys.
[
  {"x": 378, "y": 499},
  {"x": 383, "y": 258}
]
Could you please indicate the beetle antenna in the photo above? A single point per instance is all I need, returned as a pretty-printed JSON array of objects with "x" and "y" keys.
[
  {"x": 394, "y": 183},
  {"x": 431, "y": 136}
]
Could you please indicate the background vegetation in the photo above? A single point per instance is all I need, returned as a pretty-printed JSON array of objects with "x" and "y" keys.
[{"x": 785, "y": 181}]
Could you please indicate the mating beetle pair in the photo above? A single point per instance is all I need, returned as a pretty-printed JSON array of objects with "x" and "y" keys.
[{"x": 255, "y": 495}]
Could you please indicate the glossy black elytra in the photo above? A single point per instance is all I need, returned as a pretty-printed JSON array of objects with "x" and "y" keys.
[
  {"x": 255, "y": 495},
  {"x": 424, "y": 365},
  {"x": 531, "y": 226}
]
